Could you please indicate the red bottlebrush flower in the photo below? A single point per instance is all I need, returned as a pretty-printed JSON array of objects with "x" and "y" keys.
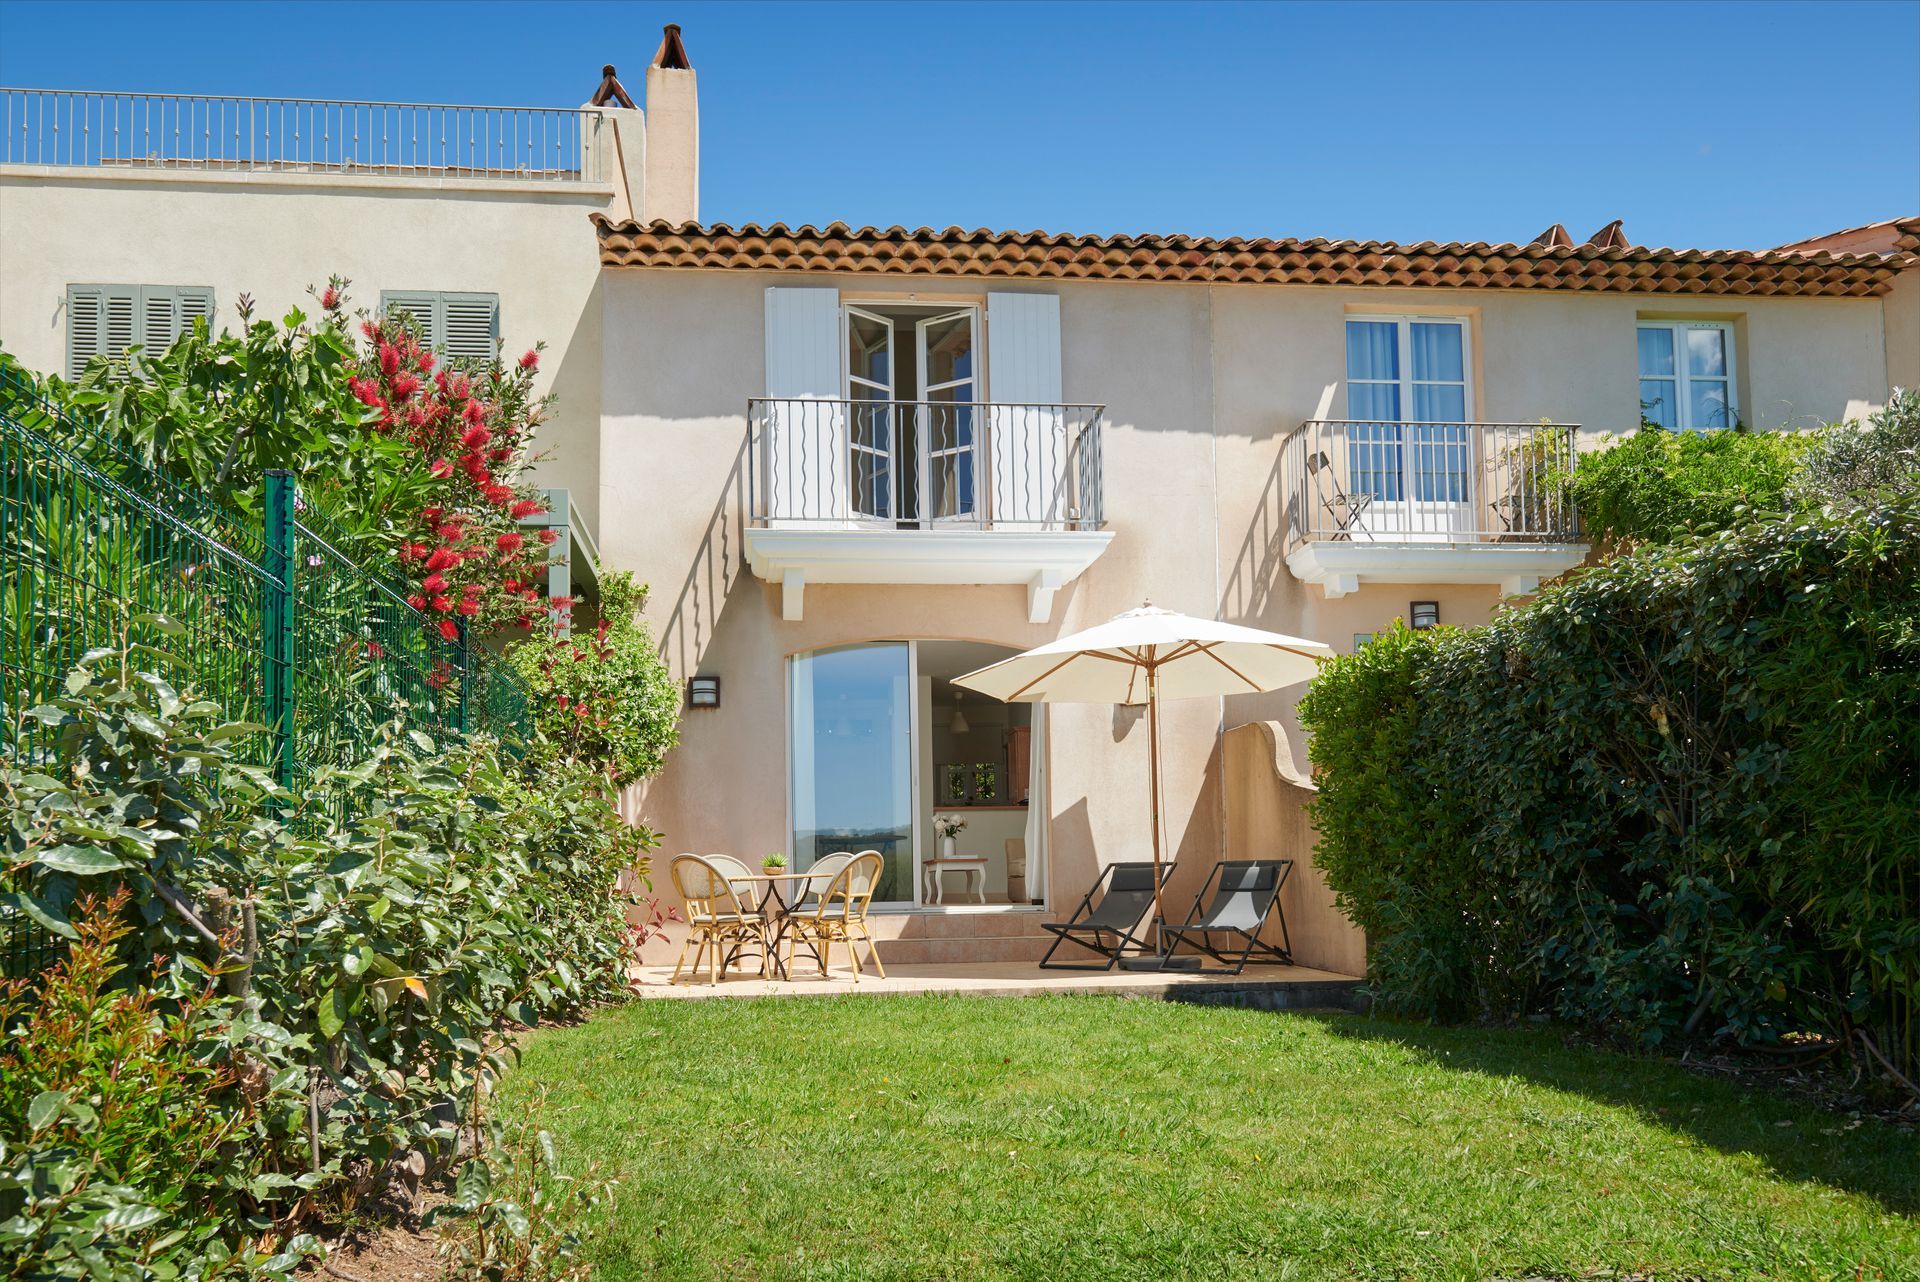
[
  {"x": 525, "y": 508},
  {"x": 366, "y": 391},
  {"x": 405, "y": 385},
  {"x": 330, "y": 298},
  {"x": 452, "y": 531},
  {"x": 417, "y": 601},
  {"x": 511, "y": 585},
  {"x": 449, "y": 630},
  {"x": 426, "y": 361},
  {"x": 375, "y": 650},
  {"x": 441, "y": 468},
  {"x": 548, "y": 537},
  {"x": 510, "y": 542},
  {"x": 431, "y": 515},
  {"x": 441, "y": 558},
  {"x": 443, "y": 605},
  {"x": 474, "y": 411},
  {"x": 474, "y": 437},
  {"x": 499, "y": 494},
  {"x": 468, "y": 607},
  {"x": 369, "y": 330},
  {"x": 389, "y": 360},
  {"x": 530, "y": 361},
  {"x": 499, "y": 456},
  {"x": 434, "y": 583}
]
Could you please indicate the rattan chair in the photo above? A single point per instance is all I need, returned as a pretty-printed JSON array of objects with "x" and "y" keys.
[
  {"x": 839, "y": 916},
  {"x": 717, "y": 917}
]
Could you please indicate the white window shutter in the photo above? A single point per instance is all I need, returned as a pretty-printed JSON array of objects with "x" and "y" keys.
[
  {"x": 1026, "y": 429},
  {"x": 804, "y": 450},
  {"x": 86, "y": 327},
  {"x": 471, "y": 328}
]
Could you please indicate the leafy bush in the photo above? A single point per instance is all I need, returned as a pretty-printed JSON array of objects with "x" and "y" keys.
[
  {"x": 420, "y": 466},
  {"x": 1656, "y": 486},
  {"x": 125, "y": 1130},
  {"x": 385, "y": 950},
  {"x": 1672, "y": 796},
  {"x": 610, "y": 703},
  {"x": 1849, "y": 462}
]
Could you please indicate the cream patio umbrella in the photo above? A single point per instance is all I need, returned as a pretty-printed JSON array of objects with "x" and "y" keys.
[{"x": 1144, "y": 656}]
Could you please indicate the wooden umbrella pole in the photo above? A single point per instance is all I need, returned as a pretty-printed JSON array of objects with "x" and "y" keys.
[{"x": 1153, "y": 786}]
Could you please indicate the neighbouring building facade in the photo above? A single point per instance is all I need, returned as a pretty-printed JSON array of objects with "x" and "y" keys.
[{"x": 854, "y": 464}]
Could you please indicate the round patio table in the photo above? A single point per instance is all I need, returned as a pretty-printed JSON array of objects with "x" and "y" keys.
[{"x": 775, "y": 907}]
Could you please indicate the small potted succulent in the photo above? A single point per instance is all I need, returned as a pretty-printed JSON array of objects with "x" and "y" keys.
[
  {"x": 949, "y": 827},
  {"x": 774, "y": 864}
]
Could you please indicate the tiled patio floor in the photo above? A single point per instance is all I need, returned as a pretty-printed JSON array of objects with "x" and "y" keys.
[{"x": 1274, "y": 986}]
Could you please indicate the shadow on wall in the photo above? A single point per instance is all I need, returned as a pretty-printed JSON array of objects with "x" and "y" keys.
[
  {"x": 719, "y": 562},
  {"x": 1261, "y": 560}
]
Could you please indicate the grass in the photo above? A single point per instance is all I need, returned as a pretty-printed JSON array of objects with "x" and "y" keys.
[{"x": 1104, "y": 1138}]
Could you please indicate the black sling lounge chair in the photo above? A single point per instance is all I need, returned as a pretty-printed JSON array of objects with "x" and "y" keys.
[
  {"x": 1114, "y": 924},
  {"x": 1245, "y": 893}
]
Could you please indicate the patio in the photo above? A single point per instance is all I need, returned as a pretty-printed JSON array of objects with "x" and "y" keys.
[{"x": 1268, "y": 987}]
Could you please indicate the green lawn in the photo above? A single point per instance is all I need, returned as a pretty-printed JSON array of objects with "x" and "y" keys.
[{"x": 1104, "y": 1139}]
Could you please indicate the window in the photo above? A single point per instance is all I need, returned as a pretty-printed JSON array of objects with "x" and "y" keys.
[
  {"x": 105, "y": 320},
  {"x": 456, "y": 325},
  {"x": 1360, "y": 639},
  {"x": 1686, "y": 374},
  {"x": 1407, "y": 386}
]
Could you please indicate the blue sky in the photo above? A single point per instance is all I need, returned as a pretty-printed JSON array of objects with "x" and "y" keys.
[{"x": 1714, "y": 125}]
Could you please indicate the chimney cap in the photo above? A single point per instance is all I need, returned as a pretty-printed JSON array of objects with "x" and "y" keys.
[
  {"x": 1554, "y": 237},
  {"x": 610, "y": 90},
  {"x": 672, "y": 54},
  {"x": 1610, "y": 237}
]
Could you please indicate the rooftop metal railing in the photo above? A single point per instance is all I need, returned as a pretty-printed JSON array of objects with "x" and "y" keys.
[
  {"x": 1430, "y": 482},
  {"x": 109, "y": 130},
  {"x": 925, "y": 464}
]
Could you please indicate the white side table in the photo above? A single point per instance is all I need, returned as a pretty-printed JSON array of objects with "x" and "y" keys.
[{"x": 974, "y": 868}]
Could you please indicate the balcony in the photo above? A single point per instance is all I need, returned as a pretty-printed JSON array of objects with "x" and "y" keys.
[
  {"x": 879, "y": 491},
  {"x": 1430, "y": 503},
  {"x": 171, "y": 134}
]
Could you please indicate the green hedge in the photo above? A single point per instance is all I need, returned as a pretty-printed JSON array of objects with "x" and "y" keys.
[{"x": 1678, "y": 794}]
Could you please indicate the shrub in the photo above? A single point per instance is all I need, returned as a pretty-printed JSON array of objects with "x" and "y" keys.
[
  {"x": 1848, "y": 462},
  {"x": 1656, "y": 486},
  {"x": 125, "y": 1129},
  {"x": 389, "y": 948},
  {"x": 608, "y": 703},
  {"x": 1672, "y": 796}
]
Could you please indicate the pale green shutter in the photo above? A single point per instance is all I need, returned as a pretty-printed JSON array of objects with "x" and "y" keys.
[
  {"x": 195, "y": 304},
  {"x": 472, "y": 325},
  {"x": 86, "y": 326},
  {"x": 419, "y": 307},
  {"x": 123, "y": 320},
  {"x": 159, "y": 320}
]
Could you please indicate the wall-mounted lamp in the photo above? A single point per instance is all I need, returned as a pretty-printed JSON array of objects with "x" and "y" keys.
[
  {"x": 1424, "y": 614},
  {"x": 703, "y": 692}
]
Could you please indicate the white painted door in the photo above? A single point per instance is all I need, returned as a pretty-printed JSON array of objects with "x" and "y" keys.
[
  {"x": 945, "y": 350},
  {"x": 873, "y": 434}
]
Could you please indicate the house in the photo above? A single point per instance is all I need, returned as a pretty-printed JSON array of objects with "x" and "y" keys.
[{"x": 855, "y": 463}]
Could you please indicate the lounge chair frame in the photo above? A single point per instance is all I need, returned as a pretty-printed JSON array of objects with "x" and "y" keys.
[
  {"x": 1199, "y": 933},
  {"x": 1103, "y": 932}
]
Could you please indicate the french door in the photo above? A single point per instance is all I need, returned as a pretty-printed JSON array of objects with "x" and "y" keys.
[
  {"x": 1408, "y": 395},
  {"x": 912, "y": 434},
  {"x": 944, "y": 348},
  {"x": 872, "y": 438}
]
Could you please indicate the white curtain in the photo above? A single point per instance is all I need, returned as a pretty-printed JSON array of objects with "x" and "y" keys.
[{"x": 1037, "y": 807}]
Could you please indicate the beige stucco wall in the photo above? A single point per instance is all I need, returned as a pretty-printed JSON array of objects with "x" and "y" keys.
[
  {"x": 1201, "y": 384},
  {"x": 529, "y": 242},
  {"x": 1902, "y": 304}
]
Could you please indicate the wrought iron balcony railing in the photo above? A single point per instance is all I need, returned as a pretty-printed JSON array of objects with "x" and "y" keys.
[
  {"x": 1430, "y": 482},
  {"x": 302, "y": 136},
  {"x": 925, "y": 464}
]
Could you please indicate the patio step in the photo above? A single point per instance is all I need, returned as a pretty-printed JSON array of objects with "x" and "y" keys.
[{"x": 924, "y": 939}]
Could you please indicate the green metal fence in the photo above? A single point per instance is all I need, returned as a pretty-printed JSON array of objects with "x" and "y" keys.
[{"x": 278, "y": 625}]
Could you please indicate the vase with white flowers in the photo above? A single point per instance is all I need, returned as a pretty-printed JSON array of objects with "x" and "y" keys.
[{"x": 949, "y": 827}]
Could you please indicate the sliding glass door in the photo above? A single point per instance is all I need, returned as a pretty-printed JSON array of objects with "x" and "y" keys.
[{"x": 853, "y": 758}]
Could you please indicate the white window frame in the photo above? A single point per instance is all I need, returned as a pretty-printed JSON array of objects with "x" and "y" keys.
[{"x": 1682, "y": 378}]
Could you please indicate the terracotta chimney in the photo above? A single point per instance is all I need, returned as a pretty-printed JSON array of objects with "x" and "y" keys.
[
  {"x": 1554, "y": 237},
  {"x": 1610, "y": 237},
  {"x": 673, "y": 134}
]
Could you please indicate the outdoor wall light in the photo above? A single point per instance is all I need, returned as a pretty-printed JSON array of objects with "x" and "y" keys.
[
  {"x": 703, "y": 692},
  {"x": 1424, "y": 614}
]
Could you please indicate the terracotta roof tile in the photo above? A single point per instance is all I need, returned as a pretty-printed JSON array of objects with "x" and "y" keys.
[{"x": 896, "y": 251}]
